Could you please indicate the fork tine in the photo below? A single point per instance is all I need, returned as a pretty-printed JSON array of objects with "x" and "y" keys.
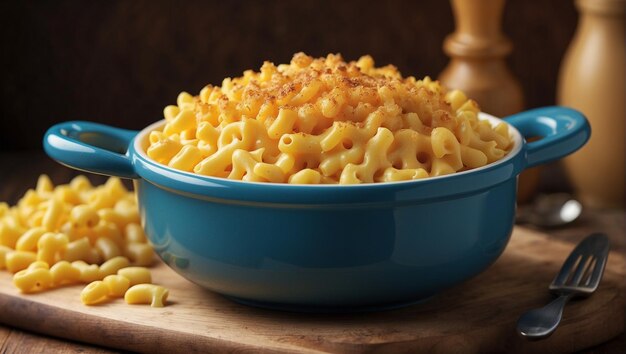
[
  {"x": 564, "y": 274},
  {"x": 598, "y": 270},
  {"x": 581, "y": 269},
  {"x": 601, "y": 252},
  {"x": 589, "y": 272}
]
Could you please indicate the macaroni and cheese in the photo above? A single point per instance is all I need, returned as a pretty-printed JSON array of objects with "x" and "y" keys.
[
  {"x": 326, "y": 121},
  {"x": 77, "y": 233}
]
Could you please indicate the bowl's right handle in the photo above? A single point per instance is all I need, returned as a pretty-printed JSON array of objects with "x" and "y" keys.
[
  {"x": 91, "y": 147},
  {"x": 563, "y": 131}
]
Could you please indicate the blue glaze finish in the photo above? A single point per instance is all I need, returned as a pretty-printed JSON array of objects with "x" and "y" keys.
[
  {"x": 91, "y": 147},
  {"x": 331, "y": 256},
  {"x": 563, "y": 129},
  {"x": 327, "y": 247}
]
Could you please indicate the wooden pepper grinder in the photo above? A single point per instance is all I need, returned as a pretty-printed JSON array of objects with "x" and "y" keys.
[
  {"x": 592, "y": 81},
  {"x": 477, "y": 51}
]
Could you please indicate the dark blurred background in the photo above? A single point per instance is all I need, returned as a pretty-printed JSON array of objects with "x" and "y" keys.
[{"x": 121, "y": 62}]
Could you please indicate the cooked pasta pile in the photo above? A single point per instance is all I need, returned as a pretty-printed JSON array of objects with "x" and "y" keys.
[
  {"x": 326, "y": 121},
  {"x": 79, "y": 234}
]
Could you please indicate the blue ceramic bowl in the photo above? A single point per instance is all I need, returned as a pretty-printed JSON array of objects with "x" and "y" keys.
[{"x": 323, "y": 247}]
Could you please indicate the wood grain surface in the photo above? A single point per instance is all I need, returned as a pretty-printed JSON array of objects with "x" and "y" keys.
[
  {"x": 17, "y": 341},
  {"x": 477, "y": 316}
]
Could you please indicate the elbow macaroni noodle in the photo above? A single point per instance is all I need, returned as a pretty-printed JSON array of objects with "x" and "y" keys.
[
  {"x": 136, "y": 275},
  {"x": 77, "y": 233},
  {"x": 154, "y": 295},
  {"x": 319, "y": 121}
]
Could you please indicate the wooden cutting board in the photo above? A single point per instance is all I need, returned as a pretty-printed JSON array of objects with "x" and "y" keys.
[{"x": 478, "y": 316}]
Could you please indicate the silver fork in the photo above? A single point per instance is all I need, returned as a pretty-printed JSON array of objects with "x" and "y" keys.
[{"x": 579, "y": 276}]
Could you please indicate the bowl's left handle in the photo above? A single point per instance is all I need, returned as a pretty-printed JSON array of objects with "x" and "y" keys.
[{"x": 91, "y": 147}]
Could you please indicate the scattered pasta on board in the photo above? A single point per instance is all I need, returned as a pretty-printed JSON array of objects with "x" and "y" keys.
[{"x": 77, "y": 233}]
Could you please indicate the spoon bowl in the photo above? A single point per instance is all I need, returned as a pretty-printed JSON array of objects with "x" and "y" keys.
[{"x": 550, "y": 211}]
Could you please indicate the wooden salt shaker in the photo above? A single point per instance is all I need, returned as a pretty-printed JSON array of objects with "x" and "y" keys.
[
  {"x": 592, "y": 80},
  {"x": 477, "y": 51}
]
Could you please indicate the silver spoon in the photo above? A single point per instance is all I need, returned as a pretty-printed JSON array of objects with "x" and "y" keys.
[
  {"x": 579, "y": 276},
  {"x": 550, "y": 210}
]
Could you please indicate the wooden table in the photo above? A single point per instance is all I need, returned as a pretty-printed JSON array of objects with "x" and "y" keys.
[{"x": 20, "y": 170}]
